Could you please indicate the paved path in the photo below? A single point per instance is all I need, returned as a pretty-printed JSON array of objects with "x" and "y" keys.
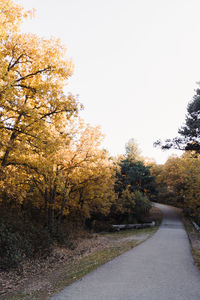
[{"x": 161, "y": 268}]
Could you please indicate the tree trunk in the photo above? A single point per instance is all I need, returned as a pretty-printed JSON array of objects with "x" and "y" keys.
[
  {"x": 12, "y": 138},
  {"x": 64, "y": 201}
]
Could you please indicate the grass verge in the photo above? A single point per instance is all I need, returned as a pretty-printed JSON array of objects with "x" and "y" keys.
[{"x": 194, "y": 238}]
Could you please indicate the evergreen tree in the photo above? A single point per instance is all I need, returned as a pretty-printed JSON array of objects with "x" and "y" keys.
[
  {"x": 189, "y": 133},
  {"x": 135, "y": 175}
]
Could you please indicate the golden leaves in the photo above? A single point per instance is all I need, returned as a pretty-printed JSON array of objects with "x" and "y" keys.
[
  {"x": 48, "y": 155},
  {"x": 181, "y": 178}
]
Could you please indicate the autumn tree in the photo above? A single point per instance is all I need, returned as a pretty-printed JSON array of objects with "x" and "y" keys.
[
  {"x": 51, "y": 165},
  {"x": 42, "y": 140},
  {"x": 170, "y": 181},
  {"x": 32, "y": 76},
  {"x": 33, "y": 73},
  {"x": 178, "y": 183},
  {"x": 191, "y": 192},
  {"x": 72, "y": 176}
]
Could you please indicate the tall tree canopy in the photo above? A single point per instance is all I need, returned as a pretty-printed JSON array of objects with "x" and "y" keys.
[
  {"x": 33, "y": 73},
  {"x": 132, "y": 150}
]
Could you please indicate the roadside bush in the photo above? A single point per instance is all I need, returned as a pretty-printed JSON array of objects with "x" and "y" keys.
[
  {"x": 102, "y": 225},
  {"x": 142, "y": 206},
  {"x": 130, "y": 207},
  {"x": 39, "y": 241},
  {"x": 11, "y": 248},
  {"x": 20, "y": 241}
]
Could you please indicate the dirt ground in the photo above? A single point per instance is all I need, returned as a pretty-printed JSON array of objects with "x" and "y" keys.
[{"x": 35, "y": 275}]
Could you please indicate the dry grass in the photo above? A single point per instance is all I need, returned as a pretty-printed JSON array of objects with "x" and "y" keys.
[{"x": 194, "y": 237}]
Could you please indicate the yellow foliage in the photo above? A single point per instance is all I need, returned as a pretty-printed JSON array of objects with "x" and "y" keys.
[
  {"x": 181, "y": 176},
  {"x": 48, "y": 155}
]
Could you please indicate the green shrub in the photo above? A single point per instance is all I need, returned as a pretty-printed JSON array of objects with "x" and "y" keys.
[
  {"x": 39, "y": 240},
  {"x": 11, "y": 248},
  {"x": 142, "y": 206},
  {"x": 21, "y": 240},
  {"x": 102, "y": 225}
]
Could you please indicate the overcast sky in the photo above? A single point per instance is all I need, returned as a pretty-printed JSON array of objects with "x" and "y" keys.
[{"x": 136, "y": 63}]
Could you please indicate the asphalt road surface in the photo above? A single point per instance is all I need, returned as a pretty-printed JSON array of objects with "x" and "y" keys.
[{"x": 161, "y": 268}]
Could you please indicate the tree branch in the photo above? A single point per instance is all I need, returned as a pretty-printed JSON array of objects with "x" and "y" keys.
[{"x": 33, "y": 74}]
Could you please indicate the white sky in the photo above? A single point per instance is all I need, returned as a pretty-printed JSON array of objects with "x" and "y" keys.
[{"x": 136, "y": 63}]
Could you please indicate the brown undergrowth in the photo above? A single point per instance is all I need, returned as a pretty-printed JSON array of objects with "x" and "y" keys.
[{"x": 39, "y": 279}]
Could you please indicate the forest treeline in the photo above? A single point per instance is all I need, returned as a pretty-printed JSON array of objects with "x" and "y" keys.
[
  {"x": 178, "y": 183},
  {"x": 55, "y": 178}
]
